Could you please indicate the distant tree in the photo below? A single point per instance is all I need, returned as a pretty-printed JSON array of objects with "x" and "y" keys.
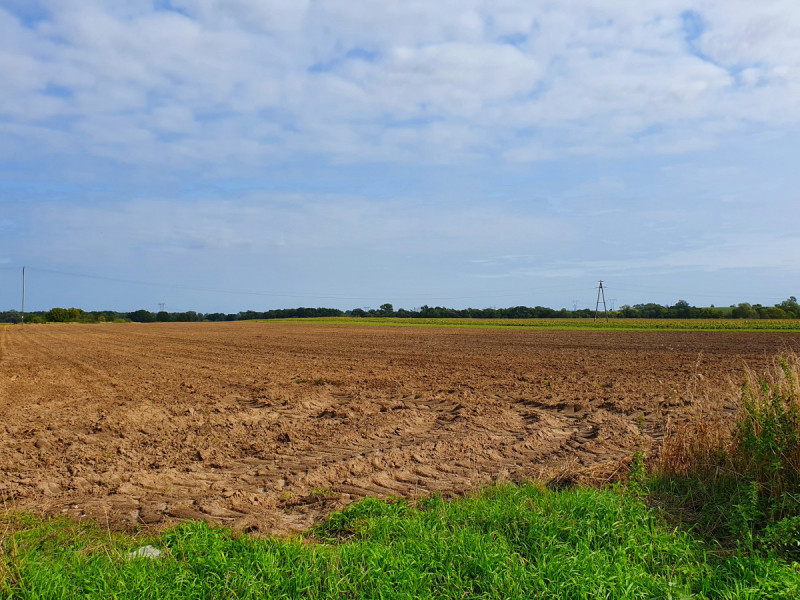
[
  {"x": 57, "y": 315},
  {"x": 709, "y": 312},
  {"x": 187, "y": 317},
  {"x": 386, "y": 310},
  {"x": 10, "y": 316},
  {"x": 681, "y": 309},
  {"x": 142, "y": 316},
  {"x": 790, "y": 307},
  {"x": 773, "y": 312},
  {"x": 518, "y": 312},
  {"x": 744, "y": 310},
  {"x": 651, "y": 310},
  {"x": 544, "y": 312},
  {"x": 249, "y": 315},
  {"x": 106, "y": 315},
  {"x": 76, "y": 314}
]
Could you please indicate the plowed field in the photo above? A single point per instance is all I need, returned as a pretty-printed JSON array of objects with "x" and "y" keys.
[{"x": 265, "y": 426}]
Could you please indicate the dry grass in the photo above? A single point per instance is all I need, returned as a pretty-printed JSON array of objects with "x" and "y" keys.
[
  {"x": 700, "y": 447},
  {"x": 711, "y": 442}
]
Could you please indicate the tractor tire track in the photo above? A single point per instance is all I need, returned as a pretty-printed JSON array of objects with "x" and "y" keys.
[{"x": 267, "y": 426}]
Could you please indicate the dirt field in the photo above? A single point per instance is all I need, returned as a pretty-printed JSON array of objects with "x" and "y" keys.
[{"x": 266, "y": 426}]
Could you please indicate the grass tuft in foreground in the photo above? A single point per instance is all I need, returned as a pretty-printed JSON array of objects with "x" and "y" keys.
[{"x": 507, "y": 542}]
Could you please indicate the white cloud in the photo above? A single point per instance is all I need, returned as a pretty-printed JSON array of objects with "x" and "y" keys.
[{"x": 247, "y": 79}]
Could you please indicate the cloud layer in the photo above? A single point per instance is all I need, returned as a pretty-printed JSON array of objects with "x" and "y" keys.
[{"x": 221, "y": 83}]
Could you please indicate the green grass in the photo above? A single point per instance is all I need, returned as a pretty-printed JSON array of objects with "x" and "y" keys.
[
  {"x": 506, "y": 542},
  {"x": 565, "y": 324}
]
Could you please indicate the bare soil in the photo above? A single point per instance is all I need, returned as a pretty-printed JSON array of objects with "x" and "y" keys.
[{"x": 267, "y": 426}]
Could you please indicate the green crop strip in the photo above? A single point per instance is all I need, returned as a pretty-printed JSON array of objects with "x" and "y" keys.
[{"x": 774, "y": 325}]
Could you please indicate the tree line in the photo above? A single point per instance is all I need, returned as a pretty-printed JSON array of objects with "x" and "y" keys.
[{"x": 788, "y": 309}]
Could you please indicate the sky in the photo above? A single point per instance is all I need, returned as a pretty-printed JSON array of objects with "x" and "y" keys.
[{"x": 226, "y": 155}]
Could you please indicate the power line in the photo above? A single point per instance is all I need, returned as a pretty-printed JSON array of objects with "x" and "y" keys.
[
  {"x": 409, "y": 296},
  {"x": 285, "y": 294},
  {"x": 23, "y": 295}
]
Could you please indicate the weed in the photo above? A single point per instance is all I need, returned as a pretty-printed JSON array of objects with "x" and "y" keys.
[
  {"x": 637, "y": 478},
  {"x": 745, "y": 515},
  {"x": 783, "y": 536},
  {"x": 741, "y": 483},
  {"x": 640, "y": 424},
  {"x": 768, "y": 431}
]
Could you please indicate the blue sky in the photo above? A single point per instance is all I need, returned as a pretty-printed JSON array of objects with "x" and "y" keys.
[{"x": 253, "y": 154}]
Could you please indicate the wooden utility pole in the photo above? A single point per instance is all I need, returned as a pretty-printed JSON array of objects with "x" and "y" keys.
[
  {"x": 600, "y": 293},
  {"x": 23, "y": 296}
]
